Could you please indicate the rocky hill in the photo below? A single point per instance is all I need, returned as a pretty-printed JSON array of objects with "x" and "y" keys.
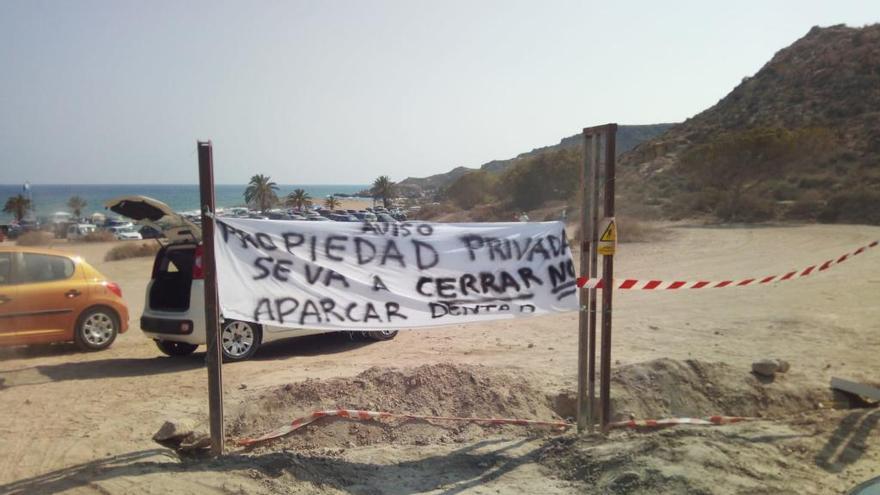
[
  {"x": 628, "y": 137},
  {"x": 828, "y": 80}
]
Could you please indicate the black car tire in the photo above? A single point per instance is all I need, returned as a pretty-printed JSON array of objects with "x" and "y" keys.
[
  {"x": 96, "y": 329},
  {"x": 248, "y": 331},
  {"x": 174, "y": 349},
  {"x": 381, "y": 335}
]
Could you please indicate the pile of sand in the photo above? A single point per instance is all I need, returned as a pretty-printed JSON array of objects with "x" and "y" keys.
[
  {"x": 436, "y": 390},
  {"x": 654, "y": 389},
  {"x": 671, "y": 388}
]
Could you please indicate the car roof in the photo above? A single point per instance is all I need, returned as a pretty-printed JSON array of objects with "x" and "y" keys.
[{"x": 37, "y": 250}]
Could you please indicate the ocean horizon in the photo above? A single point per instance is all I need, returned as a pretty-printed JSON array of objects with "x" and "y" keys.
[{"x": 50, "y": 198}]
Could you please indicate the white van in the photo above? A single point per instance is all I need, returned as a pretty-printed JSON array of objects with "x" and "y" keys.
[{"x": 174, "y": 310}]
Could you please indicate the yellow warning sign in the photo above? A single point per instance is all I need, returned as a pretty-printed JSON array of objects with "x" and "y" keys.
[{"x": 608, "y": 240}]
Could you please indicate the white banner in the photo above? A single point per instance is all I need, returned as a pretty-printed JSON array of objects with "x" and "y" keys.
[{"x": 361, "y": 276}]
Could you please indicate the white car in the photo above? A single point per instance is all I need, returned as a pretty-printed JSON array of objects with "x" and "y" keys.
[
  {"x": 174, "y": 310},
  {"x": 77, "y": 231},
  {"x": 125, "y": 233}
]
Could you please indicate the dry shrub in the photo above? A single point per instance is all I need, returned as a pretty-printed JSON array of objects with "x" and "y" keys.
[
  {"x": 431, "y": 212},
  {"x": 35, "y": 238},
  {"x": 631, "y": 229},
  {"x": 98, "y": 236},
  {"x": 131, "y": 250},
  {"x": 860, "y": 206},
  {"x": 746, "y": 208},
  {"x": 807, "y": 207}
]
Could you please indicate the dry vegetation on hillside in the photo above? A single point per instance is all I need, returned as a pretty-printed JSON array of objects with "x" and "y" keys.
[{"x": 799, "y": 141}]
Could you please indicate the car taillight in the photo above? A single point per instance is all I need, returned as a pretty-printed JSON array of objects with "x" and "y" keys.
[
  {"x": 114, "y": 288},
  {"x": 198, "y": 268}
]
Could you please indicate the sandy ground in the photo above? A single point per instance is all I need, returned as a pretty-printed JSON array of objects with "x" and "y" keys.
[
  {"x": 354, "y": 203},
  {"x": 82, "y": 423}
]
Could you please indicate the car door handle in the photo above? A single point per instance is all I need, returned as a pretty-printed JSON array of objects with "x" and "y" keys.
[{"x": 72, "y": 293}]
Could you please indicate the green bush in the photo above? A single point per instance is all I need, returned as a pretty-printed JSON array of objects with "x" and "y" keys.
[
  {"x": 740, "y": 164},
  {"x": 541, "y": 178},
  {"x": 471, "y": 189},
  {"x": 858, "y": 206}
]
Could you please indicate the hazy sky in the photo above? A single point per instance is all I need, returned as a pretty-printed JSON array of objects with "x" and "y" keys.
[{"x": 340, "y": 92}]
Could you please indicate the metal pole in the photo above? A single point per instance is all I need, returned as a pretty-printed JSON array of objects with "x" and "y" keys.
[
  {"x": 583, "y": 321},
  {"x": 607, "y": 283},
  {"x": 594, "y": 271},
  {"x": 212, "y": 313}
]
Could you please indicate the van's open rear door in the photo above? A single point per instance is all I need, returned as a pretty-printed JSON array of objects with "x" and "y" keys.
[{"x": 156, "y": 214}]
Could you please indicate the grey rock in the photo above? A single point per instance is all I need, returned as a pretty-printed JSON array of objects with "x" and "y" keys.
[
  {"x": 765, "y": 367},
  {"x": 171, "y": 430}
]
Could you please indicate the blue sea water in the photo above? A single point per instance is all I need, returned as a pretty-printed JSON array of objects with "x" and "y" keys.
[{"x": 50, "y": 198}]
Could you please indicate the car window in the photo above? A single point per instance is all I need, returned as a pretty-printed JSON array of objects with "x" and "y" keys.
[
  {"x": 5, "y": 268},
  {"x": 45, "y": 268}
]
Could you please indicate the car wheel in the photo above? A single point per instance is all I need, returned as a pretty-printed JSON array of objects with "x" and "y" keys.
[
  {"x": 381, "y": 335},
  {"x": 239, "y": 340},
  {"x": 96, "y": 329},
  {"x": 171, "y": 348}
]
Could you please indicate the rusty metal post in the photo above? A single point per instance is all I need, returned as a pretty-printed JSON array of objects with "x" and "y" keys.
[
  {"x": 594, "y": 272},
  {"x": 607, "y": 283},
  {"x": 212, "y": 311},
  {"x": 583, "y": 407}
]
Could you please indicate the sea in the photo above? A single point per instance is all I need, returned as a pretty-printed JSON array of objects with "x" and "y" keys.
[{"x": 50, "y": 198}]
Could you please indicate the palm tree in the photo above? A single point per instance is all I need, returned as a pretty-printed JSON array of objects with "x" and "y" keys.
[
  {"x": 18, "y": 205},
  {"x": 76, "y": 205},
  {"x": 299, "y": 198},
  {"x": 383, "y": 188},
  {"x": 331, "y": 202},
  {"x": 261, "y": 192}
]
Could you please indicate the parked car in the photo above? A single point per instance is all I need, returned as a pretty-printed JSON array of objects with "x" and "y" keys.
[
  {"x": 365, "y": 216},
  {"x": 237, "y": 211},
  {"x": 51, "y": 296},
  {"x": 118, "y": 223},
  {"x": 125, "y": 233},
  {"x": 384, "y": 217},
  {"x": 174, "y": 310},
  {"x": 77, "y": 231},
  {"x": 338, "y": 217},
  {"x": 148, "y": 232},
  {"x": 278, "y": 215}
]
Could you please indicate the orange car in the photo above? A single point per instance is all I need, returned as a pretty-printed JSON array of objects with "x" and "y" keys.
[{"x": 52, "y": 296}]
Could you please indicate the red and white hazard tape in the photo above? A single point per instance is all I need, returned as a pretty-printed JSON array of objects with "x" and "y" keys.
[
  {"x": 559, "y": 425},
  {"x": 365, "y": 415},
  {"x": 634, "y": 284}
]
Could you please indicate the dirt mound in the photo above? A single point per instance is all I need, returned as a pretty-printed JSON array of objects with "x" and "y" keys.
[
  {"x": 654, "y": 389},
  {"x": 763, "y": 457},
  {"x": 436, "y": 390},
  {"x": 667, "y": 387}
]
